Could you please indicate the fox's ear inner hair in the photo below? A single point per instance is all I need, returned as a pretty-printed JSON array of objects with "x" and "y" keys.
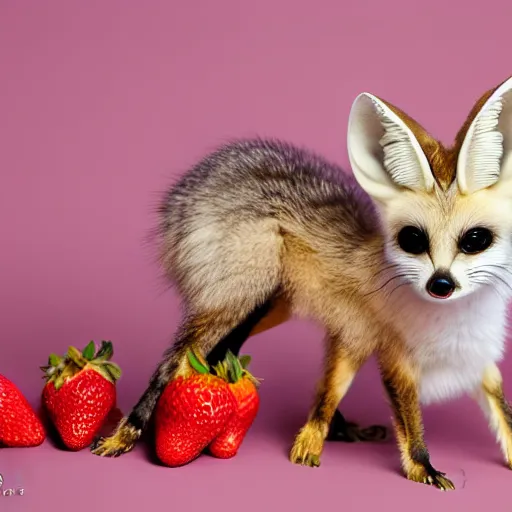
[
  {"x": 384, "y": 154},
  {"x": 485, "y": 157}
]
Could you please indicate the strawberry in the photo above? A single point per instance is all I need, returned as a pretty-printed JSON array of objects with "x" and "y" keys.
[
  {"x": 80, "y": 392},
  {"x": 19, "y": 424},
  {"x": 191, "y": 412},
  {"x": 244, "y": 387}
]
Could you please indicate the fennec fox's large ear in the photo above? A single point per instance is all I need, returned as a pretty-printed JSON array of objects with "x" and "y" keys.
[
  {"x": 384, "y": 153},
  {"x": 485, "y": 154}
]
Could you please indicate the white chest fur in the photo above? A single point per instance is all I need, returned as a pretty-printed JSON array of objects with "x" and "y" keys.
[{"x": 452, "y": 342}]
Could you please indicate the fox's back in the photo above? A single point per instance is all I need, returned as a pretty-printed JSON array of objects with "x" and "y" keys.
[
  {"x": 255, "y": 178},
  {"x": 219, "y": 205}
]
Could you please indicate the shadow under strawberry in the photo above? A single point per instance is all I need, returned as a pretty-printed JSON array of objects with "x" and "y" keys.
[
  {"x": 52, "y": 436},
  {"x": 148, "y": 440}
]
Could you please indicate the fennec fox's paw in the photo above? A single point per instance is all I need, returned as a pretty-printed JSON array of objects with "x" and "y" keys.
[
  {"x": 308, "y": 446},
  {"x": 429, "y": 476},
  {"x": 121, "y": 441}
]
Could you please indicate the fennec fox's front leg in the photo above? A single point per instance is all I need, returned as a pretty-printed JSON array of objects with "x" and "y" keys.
[
  {"x": 497, "y": 409},
  {"x": 401, "y": 383},
  {"x": 339, "y": 371},
  {"x": 199, "y": 331}
]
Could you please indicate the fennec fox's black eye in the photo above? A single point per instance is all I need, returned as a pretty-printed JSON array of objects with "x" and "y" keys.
[
  {"x": 413, "y": 240},
  {"x": 475, "y": 240}
]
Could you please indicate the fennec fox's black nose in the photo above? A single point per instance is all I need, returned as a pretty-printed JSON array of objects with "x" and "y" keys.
[{"x": 441, "y": 285}]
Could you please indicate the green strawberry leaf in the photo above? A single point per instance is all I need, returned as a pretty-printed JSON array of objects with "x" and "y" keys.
[
  {"x": 89, "y": 350},
  {"x": 230, "y": 371},
  {"x": 202, "y": 360},
  {"x": 113, "y": 369},
  {"x": 106, "y": 351},
  {"x": 235, "y": 365},
  {"x": 54, "y": 360},
  {"x": 194, "y": 362},
  {"x": 218, "y": 370},
  {"x": 59, "y": 379},
  {"x": 76, "y": 356},
  {"x": 58, "y": 383},
  {"x": 245, "y": 361},
  {"x": 228, "y": 365},
  {"x": 228, "y": 374}
]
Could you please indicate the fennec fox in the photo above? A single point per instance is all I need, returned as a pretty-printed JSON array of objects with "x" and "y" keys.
[{"x": 410, "y": 261}]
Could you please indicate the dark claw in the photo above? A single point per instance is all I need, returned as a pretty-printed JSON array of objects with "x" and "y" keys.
[
  {"x": 440, "y": 481},
  {"x": 96, "y": 443}
]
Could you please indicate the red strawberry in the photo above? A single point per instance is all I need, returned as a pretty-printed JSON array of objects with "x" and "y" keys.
[
  {"x": 190, "y": 413},
  {"x": 19, "y": 424},
  {"x": 244, "y": 387},
  {"x": 80, "y": 392}
]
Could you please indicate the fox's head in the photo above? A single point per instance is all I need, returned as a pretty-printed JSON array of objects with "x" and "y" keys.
[{"x": 446, "y": 212}]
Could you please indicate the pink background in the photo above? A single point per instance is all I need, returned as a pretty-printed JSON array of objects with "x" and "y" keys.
[{"x": 102, "y": 105}]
